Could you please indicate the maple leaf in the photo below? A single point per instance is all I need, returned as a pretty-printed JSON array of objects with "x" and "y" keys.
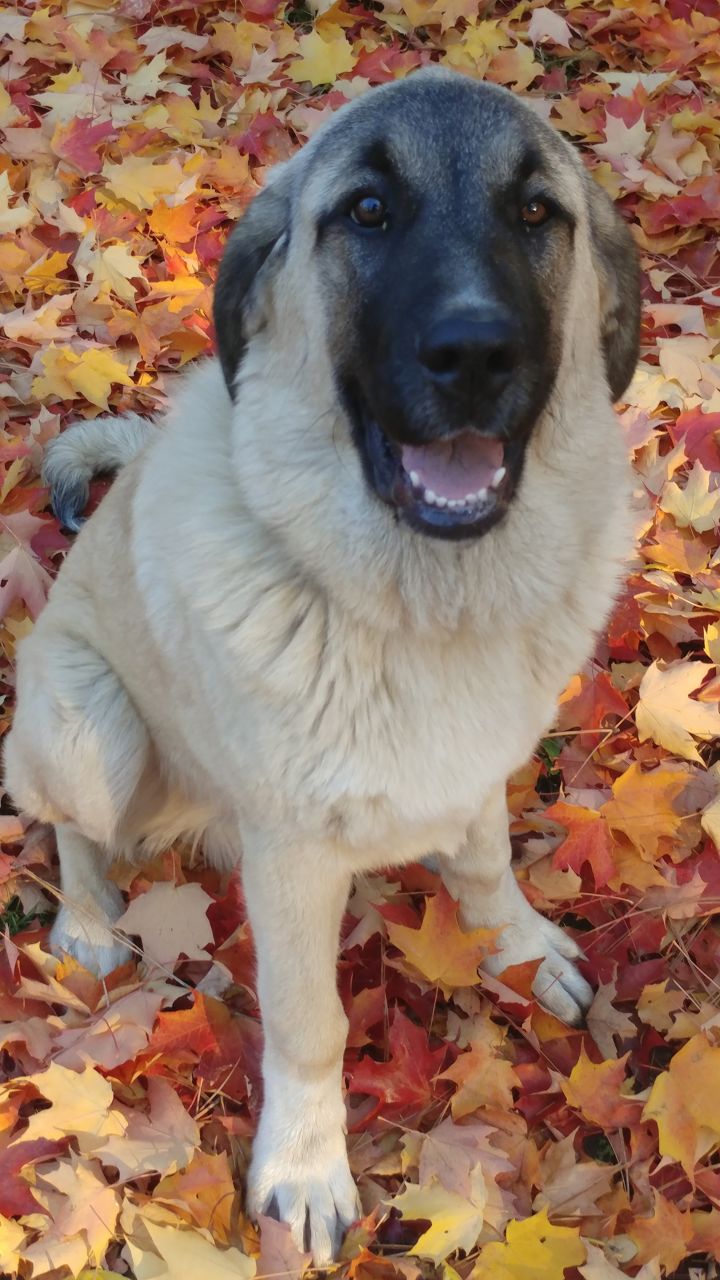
[
  {"x": 170, "y": 919},
  {"x": 81, "y": 1107},
  {"x": 12, "y": 1235},
  {"x": 69, "y": 374},
  {"x": 668, "y": 715},
  {"x": 456, "y": 1221},
  {"x": 406, "y": 1079},
  {"x": 588, "y": 840},
  {"x": 140, "y": 182},
  {"x": 604, "y": 1021},
  {"x": 696, "y": 505},
  {"x": 110, "y": 269},
  {"x": 594, "y": 1089},
  {"x": 159, "y": 1142},
  {"x": 204, "y": 1192},
  {"x": 322, "y": 60},
  {"x": 22, "y": 576},
  {"x": 179, "y": 1252},
  {"x": 642, "y": 807},
  {"x": 439, "y": 949},
  {"x": 83, "y": 1210},
  {"x": 571, "y": 1187},
  {"x": 279, "y": 1255},
  {"x": 115, "y": 1035},
  {"x": 684, "y": 1102},
  {"x": 15, "y": 1195},
  {"x": 484, "y": 1079},
  {"x": 665, "y": 1236},
  {"x": 547, "y": 25},
  {"x": 534, "y": 1249}
]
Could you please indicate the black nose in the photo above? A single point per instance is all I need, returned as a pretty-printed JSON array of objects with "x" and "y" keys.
[{"x": 471, "y": 353}]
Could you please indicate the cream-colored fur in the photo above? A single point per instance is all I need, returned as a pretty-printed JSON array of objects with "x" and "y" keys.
[{"x": 244, "y": 646}]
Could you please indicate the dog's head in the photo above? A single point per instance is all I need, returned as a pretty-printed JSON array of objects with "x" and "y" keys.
[{"x": 427, "y": 240}]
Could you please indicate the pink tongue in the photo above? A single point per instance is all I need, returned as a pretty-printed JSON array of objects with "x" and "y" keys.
[{"x": 454, "y": 468}]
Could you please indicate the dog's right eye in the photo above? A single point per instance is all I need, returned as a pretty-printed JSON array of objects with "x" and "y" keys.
[{"x": 369, "y": 211}]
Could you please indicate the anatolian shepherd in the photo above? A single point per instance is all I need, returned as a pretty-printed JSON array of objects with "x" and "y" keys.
[{"x": 326, "y": 611}]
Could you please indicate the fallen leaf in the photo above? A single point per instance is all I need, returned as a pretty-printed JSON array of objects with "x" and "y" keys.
[{"x": 669, "y": 716}]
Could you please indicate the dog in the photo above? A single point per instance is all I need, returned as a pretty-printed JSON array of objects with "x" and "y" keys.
[{"x": 327, "y": 610}]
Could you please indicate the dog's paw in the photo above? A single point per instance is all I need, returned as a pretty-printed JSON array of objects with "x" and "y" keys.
[
  {"x": 84, "y": 930},
  {"x": 558, "y": 984},
  {"x": 312, "y": 1190}
]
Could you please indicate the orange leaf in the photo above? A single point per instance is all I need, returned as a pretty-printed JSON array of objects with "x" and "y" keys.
[
  {"x": 665, "y": 1236},
  {"x": 594, "y": 1090},
  {"x": 642, "y": 807},
  {"x": 439, "y": 950},
  {"x": 588, "y": 840},
  {"x": 684, "y": 1102}
]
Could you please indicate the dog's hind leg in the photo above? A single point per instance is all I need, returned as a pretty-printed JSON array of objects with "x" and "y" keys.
[
  {"x": 76, "y": 756},
  {"x": 91, "y": 905},
  {"x": 481, "y": 879}
]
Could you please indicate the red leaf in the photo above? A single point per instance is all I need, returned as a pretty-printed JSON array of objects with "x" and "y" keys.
[{"x": 406, "y": 1079}]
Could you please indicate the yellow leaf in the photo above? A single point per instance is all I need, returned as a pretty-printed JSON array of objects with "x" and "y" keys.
[
  {"x": 11, "y": 1237},
  {"x": 666, "y": 713},
  {"x": 478, "y": 45},
  {"x": 712, "y": 643},
  {"x": 43, "y": 276},
  {"x": 9, "y": 113},
  {"x": 322, "y": 60},
  {"x": 534, "y": 1249},
  {"x": 12, "y": 218},
  {"x": 666, "y": 1236},
  {"x": 456, "y": 1222},
  {"x": 439, "y": 949},
  {"x": 185, "y": 1256},
  {"x": 642, "y": 808},
  {"x": 141, "y": 182},
  {"x": 81, "y": 1107},
  {"x": 145, "y": 81},
  {"x": 109, "y": 270},
  {"x": 694, "y": 505},
  {"x": 39, "y": 325},
  {"x": 90, "y": 374},
  {"x": 710, "y": 816},
  {"x": 684, "y": 1102}
]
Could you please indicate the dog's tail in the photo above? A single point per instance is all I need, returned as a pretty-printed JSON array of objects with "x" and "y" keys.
[{"x": 83, "y": 451}]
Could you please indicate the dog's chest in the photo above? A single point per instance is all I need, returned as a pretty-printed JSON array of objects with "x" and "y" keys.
[{"x": 407, "y": 739}]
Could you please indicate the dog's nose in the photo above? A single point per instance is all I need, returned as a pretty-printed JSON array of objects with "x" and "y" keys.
[{"x": 471, "y": 353}]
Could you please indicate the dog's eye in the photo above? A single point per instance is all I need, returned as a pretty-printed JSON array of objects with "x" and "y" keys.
[
  {"x": 369, "y": 211},
  {"x": 534, "y": 213}
]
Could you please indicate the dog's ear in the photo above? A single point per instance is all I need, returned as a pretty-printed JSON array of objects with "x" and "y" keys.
[
  {"x": 258, "y": 240},
  {"x": 616, "y": 262}
]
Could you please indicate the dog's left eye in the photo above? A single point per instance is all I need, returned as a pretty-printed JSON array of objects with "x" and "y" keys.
[
  {"x": 534, "y": 213},
  {"x": 369, "y": 211}
]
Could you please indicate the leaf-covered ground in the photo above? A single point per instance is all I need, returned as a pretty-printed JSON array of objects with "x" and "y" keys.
[{"x": 489, "y": 1141}]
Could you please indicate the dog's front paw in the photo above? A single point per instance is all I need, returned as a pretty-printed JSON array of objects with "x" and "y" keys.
[
  {"x": 306, "y": 1183},
  {"x": 84, "y": 931},
  {"x": 558, "y": 984}
]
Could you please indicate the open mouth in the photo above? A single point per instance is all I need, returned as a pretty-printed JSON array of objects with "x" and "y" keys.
[{"x": 455, "y": 487}]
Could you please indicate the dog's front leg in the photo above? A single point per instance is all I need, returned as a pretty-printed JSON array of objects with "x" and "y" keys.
[
  {"x": 295, "y": 898},
  {"x": 481, "y": 879}
]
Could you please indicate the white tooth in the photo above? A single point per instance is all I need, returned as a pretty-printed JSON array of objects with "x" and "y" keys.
[
  {"x": 430, "y": 496},
  {"x": 454, "y": 503},
  {"x": 498, "y": 477},
  {"x": 481, "y": 495},
  {"x": 470, "y": 498},
  {"x": 441, "y": 502},
  {"x": 414, "y": 477}
]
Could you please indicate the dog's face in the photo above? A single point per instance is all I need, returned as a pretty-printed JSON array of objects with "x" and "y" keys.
[{"x": 441, "y": 218}]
